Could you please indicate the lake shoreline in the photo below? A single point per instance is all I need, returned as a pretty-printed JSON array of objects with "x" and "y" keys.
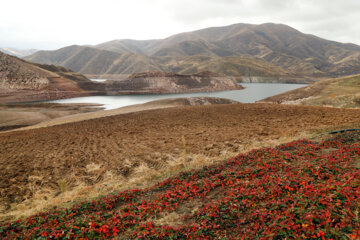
[
  {"x": 87, "y": 112},
  {"x": 23, "y": 115},
  {"x": 251, "y": 93}
]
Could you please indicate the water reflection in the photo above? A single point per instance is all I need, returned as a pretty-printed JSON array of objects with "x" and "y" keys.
[{"x": 252, "y": 93}]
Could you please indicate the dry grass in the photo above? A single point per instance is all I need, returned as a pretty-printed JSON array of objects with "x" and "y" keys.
[
  {"x": 339, "y": 93},
  {"x": 171, "y": 219},
  {"x": 101, "y": 156},
  {"x": 71, "y": 191}
]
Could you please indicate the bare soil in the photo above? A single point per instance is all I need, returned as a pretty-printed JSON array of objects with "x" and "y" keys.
[
  {"x": 13, "y": 116},
  {"x": 44, "y": 157}
]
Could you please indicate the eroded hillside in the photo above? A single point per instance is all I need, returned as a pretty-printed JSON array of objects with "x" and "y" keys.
[
  {"x": 162, "y": 82},
  {"x": 22, "y": 81}
]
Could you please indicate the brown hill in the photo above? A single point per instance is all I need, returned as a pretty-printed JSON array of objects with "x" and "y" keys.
[
  {"x": 17, "y": 74},
  {"x": 126, "y": 46},
  {"x": 92, "y": 61},
  {"x": 231, "y": 66},
  {"x": 89, "y": 60},
  {"x": 285, "y": 50},
  {"x": 278, "y": 44},
  {"x": 24, "y": 81},
  {"x": 275, "y": 43}
]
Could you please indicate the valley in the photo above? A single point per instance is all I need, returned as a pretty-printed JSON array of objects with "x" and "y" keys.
[{"x": 210, "y": 157}]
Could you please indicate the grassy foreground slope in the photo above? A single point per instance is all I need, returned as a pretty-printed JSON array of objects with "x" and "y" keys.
[
  {"x": 338, "y": 92},
  {"x": 302, "y": 189},
  {"x": 47, "y": 166}
]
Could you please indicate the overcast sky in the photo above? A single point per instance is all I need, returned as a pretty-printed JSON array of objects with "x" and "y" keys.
[{"x": 46, "y": 24}]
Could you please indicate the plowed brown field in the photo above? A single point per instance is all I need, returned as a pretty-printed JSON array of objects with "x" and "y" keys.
[{"x": 35, "y": 158}]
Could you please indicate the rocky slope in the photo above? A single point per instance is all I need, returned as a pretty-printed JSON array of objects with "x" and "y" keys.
[
  {"x": 162, "y": 82},
  {"x": 24, "y": 81},
  {"x": 17, "y": 74},
  {"x": 284, "y": 50}
]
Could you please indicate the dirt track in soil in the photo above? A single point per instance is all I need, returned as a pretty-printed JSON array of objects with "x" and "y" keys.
[{"x": 121, "y": 143}]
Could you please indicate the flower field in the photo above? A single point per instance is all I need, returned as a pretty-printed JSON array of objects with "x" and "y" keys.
[{"x": 299, "y": 190}]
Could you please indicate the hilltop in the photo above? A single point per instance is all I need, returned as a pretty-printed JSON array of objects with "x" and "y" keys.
[
  {"x": 279, "y": 49},
  {"x": 338, "y": 92}
]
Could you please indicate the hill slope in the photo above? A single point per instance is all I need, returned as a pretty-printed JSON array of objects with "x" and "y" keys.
[
  {"x": 302, "y": 189},
  {"x": 278, "y": 44},
  {"x": 294, "y": 53},
  {"x": 340, "y": 92},
  {"x": 126, "y": 46},
  {"x": 94, "y": 61},
  {"x": 95, "y": 155},
  {"x": 88, "y": 60},
  {"x": 24, "y": 81},
  {"x": 275, "y": 43}
]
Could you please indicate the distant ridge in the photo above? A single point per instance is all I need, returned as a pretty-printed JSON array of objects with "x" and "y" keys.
[
  {"x": 89, "y": 60},
  {"x": 240, "y": 49},
  {"x": 18, "y": 52}
]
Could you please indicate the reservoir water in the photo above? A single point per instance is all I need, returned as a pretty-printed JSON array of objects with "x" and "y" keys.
[{"x": 252, "y": 93}]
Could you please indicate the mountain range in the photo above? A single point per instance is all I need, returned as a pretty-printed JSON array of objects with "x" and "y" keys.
[{"x": 238, "y": 50}]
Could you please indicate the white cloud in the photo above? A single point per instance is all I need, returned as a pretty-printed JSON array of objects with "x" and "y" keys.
[{"x": 51, "y": 24}]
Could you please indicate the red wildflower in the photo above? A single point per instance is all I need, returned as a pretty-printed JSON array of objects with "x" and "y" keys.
[{"x": 115, "y": 231}]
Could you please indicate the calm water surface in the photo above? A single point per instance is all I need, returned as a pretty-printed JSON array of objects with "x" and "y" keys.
[{"x": 252, "y": 93}]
